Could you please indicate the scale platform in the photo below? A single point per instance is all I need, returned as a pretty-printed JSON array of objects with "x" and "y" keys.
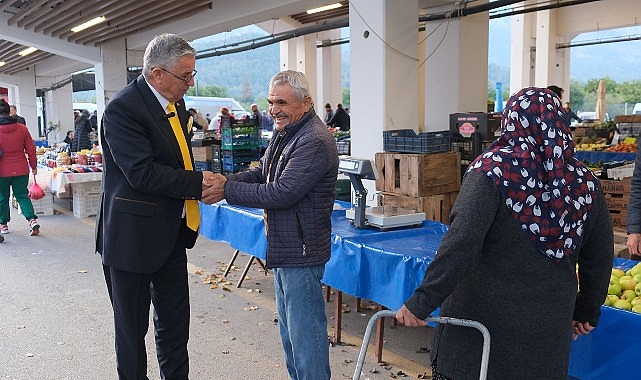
[{"x": 385, "y": 217}]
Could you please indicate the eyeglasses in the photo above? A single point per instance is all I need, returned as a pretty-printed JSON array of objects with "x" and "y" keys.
[{"x": 184, "y": 79}]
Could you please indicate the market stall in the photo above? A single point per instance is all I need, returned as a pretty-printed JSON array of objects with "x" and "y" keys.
[{"x": 386, "y": 267}]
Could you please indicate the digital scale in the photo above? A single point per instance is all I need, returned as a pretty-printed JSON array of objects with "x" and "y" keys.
[{"x": 383, "y": 217}]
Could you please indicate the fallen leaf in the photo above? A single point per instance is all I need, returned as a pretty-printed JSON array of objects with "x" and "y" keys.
[{"x": 83, "y": 271}]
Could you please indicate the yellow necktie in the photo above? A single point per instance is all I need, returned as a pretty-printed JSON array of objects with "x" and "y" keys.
[{"x": 192, "y": 210}]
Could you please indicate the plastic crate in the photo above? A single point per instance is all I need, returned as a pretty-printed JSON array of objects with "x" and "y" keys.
[
  {"x": 235, "y": 143},
  {"x": 244, "y": 155},
  {"x": 407, "y": 141},
  {"x": 343, "y": 146},
  {"x": 234, "y": 168},
  {"x": 202, "y": 166}
]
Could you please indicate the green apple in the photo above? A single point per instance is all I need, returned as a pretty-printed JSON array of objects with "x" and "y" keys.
[
  {"x": 610, "y": 299},
  {"x": 637, "y": 289},
  {"x": 627, "y": 282},
  {"x": 628, "y": 295},
  {"x": 636, "y": 269},
  {"x": 618, "y": 272},
  {"x": 622, "y": 304},
  {"x": 614, "y": 289},
  {"x": 635, "y": 301},
  {"x": 636, "y": 277},
  {"x": 636, "y": 308}
]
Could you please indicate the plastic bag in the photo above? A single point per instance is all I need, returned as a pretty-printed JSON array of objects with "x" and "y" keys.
[{"x": 35, "y": 191}]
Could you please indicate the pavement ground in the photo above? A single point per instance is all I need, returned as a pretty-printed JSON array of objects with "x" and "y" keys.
[{"x": 56, "y": 320}]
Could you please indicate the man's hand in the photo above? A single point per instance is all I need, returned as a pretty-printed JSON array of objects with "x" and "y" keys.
[
  {"x": 213, "y": 187},
  {"x": 634, "y": 242},
  {"x": 580, "y": 328}
]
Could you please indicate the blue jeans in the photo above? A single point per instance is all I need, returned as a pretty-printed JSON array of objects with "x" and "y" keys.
[{"x": 302, "y": 322}]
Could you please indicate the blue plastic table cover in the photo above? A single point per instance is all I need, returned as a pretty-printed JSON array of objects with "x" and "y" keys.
[{"x": 596, "y": 156}]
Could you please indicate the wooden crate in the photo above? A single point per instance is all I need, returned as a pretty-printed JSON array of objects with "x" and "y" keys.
[
  {"x": 436, "y": 207},
  {"x": 202, "y": 153},
  {"x": 418, "y": 175},
  {"x": 619, "y": 217},
  {"x": 615, "y": 186}
]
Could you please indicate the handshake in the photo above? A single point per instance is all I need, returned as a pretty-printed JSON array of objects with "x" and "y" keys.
[{"x": 213, "y": 187}]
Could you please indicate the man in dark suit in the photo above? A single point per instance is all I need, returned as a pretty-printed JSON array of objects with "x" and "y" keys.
[{"x": 146, "y": 218}]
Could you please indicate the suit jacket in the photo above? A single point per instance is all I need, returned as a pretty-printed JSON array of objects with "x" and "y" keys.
[{"x": 144, "y": 183}]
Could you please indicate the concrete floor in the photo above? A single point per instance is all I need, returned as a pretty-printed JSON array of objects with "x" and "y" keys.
[{"x": 56, "y": 321}]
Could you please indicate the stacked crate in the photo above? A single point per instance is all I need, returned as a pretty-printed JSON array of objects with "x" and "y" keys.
[
  {"x": 207, "y": 156},
  {"x": 86, "y": 197},
  {"x": 41, "y": 207},
  {"x": 240, "y": 144},
  {"x": 617, "y": 196},
  {"x": 423, "y": 182}
]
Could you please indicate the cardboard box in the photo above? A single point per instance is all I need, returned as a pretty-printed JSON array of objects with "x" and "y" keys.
[
  {"x": 615, "y": 186},
  {"x": 418, "y": 175},
  {"x": 202, "y": 153}
]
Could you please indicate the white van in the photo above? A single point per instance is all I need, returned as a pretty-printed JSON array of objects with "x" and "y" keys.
[
  {"x": 212, "y": 105},
  {"x": 637, "y": 109}
]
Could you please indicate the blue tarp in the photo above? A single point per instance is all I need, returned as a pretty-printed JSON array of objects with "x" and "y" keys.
[{"x": 596, "y": 156}]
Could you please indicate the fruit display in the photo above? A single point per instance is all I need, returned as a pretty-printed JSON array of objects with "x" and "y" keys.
[
  {"x": 624, "y": 147},
  {"x": 591, "y": 143},
  {"x": 624, "y": 291}
]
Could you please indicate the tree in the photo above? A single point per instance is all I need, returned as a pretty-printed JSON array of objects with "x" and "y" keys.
[
  {"x": 216, "y": 91},
  {"x": 345, "y": 98},
  {"x": 246, "y": 95}
]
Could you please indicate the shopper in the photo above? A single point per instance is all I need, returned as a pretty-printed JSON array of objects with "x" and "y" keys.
[
  {"x": 81, "y": 139},
  {"x": 340, "y": 120},
  {"x": 527, "y": 213},
  {"x": 148, "y": 215},
  {"x": 294, "y": 183},
  {"x": 15, "y": 142}
]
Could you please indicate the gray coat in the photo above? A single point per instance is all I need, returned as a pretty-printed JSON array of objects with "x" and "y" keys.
[
  {"x": 487, "y": 270},
  {"x": 300, "y": 195}
]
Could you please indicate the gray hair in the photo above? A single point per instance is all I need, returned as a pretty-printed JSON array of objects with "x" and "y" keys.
[
  {"x": 295, "y": 79},
  {"x": 163, "y": 51}
]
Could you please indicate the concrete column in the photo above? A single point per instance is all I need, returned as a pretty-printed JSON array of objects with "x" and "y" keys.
[
  {"x": 22, "y": 94},
  {"x": 383, "y": 73},
  {"x": 288, "y": 55},
  {"x": 456, "y": 70},
  {"x": 330, "y": 89},
  {"x": 59, "y": 109},
  {"x": 522, "y": 52},
  {"x": 548, "y": 70},
  {"x": 111, "y": 72},
  {"x": 306, "y": 61}
]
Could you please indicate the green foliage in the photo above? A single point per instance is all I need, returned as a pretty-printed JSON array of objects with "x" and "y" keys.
[
  {"x": 218, "y": 91},
  {"x": 345, "y": 98}
]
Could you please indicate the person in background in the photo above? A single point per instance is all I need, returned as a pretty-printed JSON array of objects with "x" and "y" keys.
[
  {"x": 267, "y": 123},
  {"x": 294, "y": 183},
  {"x": 633, "y": 222},
  {"x": 347, "y": 110},
  {"x": 527, "y": 213},
  {"x": 226, "y": 117},
  {"x": 81, "y": 139},
  {"x": 14, "y": 113},
  {"x": 15, "y": 143},
  {"x": 197, "y": 121},
  {"x": 340, "y": 119},
  {"x": 148, "y": 213},
  {"x": 328, "y": 113},
  {"x": 557, "y": 90},
  {"x": 208, "y": 117},
  {"x": 69, "y": 138},
  {"x": 93, "y": 120},
  {"x": 568, "y": 114}
]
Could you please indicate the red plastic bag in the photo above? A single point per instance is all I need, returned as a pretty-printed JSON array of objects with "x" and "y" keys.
[{"x": 35, "y": 191}]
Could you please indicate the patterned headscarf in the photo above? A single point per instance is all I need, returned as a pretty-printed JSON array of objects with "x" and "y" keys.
[{"x": 532, "y": 163}]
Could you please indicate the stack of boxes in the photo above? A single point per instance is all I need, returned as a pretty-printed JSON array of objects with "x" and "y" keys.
[
  {"x": 617, "y": 196},
  {"x": 206, "y": 155},
  {"x": 86, "y": 197},
  {"x": 240, "y": 144},
  {"x": 427, "y": 181}
]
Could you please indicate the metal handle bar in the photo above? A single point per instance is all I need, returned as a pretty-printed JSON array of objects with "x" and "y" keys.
[{"x": 485, "y": 357}]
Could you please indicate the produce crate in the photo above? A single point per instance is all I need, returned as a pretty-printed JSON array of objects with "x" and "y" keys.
[
  {"x": 202, "y": 153},
  {"x": 229, "y": 168},
  {"x": 406, "y": 140},
  {"x": 240, "y": 142},
  {"x": 202, "y": 166},
  {"x": 617, "y": 196},
  {"x": 240, "y": 156},
  {"x": 86, "y": 196},
  {"x": 41, "y": 207},
  {"x": 436, "y": 207},
  {"x": 343, "y": 146},
  {"x": 343, "y": 190},
  {"x": 418, "y": 175},
  {"x": 621, "y": 172}
]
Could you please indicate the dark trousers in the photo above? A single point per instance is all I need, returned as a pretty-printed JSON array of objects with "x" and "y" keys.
[{"x": 131, "y": 295}]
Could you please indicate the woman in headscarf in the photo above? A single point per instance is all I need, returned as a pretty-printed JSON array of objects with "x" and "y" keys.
[
  {"x": 527, "y": 213},
  {"x": 15, "y": 144},
  {"x": 81, "y": 138}
]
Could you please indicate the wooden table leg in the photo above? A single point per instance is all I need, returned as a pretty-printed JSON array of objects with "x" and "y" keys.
[
  {"x": 231, "y": 262},
  {"x": 242, "y": 276},
  {"x": 380, "y": 329},
  {"x": 338, "y": 316},
  {"x": 328, "y": 293}
]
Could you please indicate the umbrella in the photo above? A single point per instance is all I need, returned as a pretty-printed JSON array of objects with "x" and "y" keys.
[{"x": 601, "y": 106}]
